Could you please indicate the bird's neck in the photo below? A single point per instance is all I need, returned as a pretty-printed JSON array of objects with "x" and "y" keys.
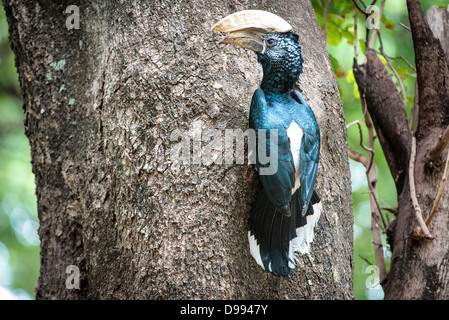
[
  {"x": 279, "y": 78},
  {"x": 278, "y": 83}
]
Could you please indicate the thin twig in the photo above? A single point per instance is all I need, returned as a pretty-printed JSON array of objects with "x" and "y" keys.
[
  {"x": 361, "y": 135},
  {"x": 356, "y": 36},
  {"x": 365, "y": 259},
  {"x": 370, "y": 176},
  {"x": 369, "y": 125},
  {"x": 379, "y": 211},
  {"x": 414, "y": 114},
  {"x": 358, "y": 157},
  {"x": 400, "y": 58},
  {"x": 393, "y": 210},
  {"x": 405, "y": 27},
  {"x": 376, "y": 213},
  {"x": 405, "y": 60},
  {"x": 358, "y": 7},
  {"x": 418, "y": 212},
  {"x": 396, "y": 74},
  {"x": 377, "y": 23},
  {"x": 382, "y": 245}
]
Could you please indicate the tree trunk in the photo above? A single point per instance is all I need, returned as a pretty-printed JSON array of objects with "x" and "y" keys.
[
  {"x": 102, "y": 103},
  {"x": 419, "y": 266},
  {"x": 420, "y": 269}
]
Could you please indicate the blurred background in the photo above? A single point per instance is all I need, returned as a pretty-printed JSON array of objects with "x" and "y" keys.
[{"x": 19, "y": 243}]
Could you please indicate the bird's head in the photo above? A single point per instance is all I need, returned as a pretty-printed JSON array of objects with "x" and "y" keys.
[{"x": 271, "y": 37}]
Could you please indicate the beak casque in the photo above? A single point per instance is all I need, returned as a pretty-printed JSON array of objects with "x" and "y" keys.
[{"x": 246, "y": 28}]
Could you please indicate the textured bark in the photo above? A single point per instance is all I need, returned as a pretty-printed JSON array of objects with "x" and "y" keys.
[
  {"x": 438, "y": 20},
  {"x": 387, "y": 111},
  {"x": 101, "y": 103},
  {"x": 419, "y": 268}
]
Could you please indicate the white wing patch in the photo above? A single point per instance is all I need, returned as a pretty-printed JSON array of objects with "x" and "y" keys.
[{"x": 295, "y": 134}]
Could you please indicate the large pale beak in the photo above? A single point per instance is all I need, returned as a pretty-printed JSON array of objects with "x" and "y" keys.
[{"x": 246, "y": 28}]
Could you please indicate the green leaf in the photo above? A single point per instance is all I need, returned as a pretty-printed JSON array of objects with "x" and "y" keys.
[
  {"x": 348, "y": 35},
  {"x": 334, "y": 18},
  {"x": 340, "y": 91},
  {"x": 334, "y": 63},
  {"x": 362, "y": 46},
  {"x": 387, "y": 23},
  {"x": 402, "y": 72},
  {"x": 320, "y": 19},
  {"x": 333, "y": 34},
  {"x": 343, "y": 6},
  {"x": 382, "y": 59},
  {"x": 317, "y": 5},
  {"x": 356, "y": 91},
  {"x": 351, "y": 79},
  {"x": 350, "y": 76}
]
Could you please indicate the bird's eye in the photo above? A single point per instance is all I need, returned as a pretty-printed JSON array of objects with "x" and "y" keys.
[{"x": 271, "y": 42}]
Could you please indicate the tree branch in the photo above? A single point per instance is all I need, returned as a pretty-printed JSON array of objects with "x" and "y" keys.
[
  {"x": 358, "y": 7},
  {"x": 438, "y": 148},
  {"x": 361, "y": 135},
  {"x": 376, "y": 212},
  {"x": 398, "y": 78},
  {"x": 399, "y": 58},
  {"x": 356, "y": 36},
  {"x": 358, "y": 157},
  {"x": 432, "y": 74},
  {"x": 387, "y": 113},
  {"x": 372, "y": 183},
  {"x": 405, "y": 27},
  {"x": 414, "y": 114},
  {"x": 405, "y": 60},
  {"x": 440, "y": 192},
  {"x": 375, "y": 31},
  {"x": 393, "y": 210},
  {"x": 366, "y": 260},
  {"x": 411, "y": 175}
]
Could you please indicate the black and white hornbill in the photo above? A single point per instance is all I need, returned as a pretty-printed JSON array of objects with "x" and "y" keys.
[{"x": 287, "y": 207}]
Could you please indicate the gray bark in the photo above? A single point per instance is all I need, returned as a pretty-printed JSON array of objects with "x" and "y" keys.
[
  {"x": 438, "y": 20},
  {"x": 101, "y": 103}
]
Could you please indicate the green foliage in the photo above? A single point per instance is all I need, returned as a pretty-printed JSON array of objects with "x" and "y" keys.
[
  {"x": 398, "y": 46},
  {"x": 19, "y": 243}
]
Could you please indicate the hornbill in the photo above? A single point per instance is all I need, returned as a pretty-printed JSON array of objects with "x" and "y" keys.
[{"x": 287, "y": 207}]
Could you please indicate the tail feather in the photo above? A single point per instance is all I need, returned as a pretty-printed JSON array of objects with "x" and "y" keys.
[
  {"x": 276, "y": 243},
  {"x": 259, "y": 246},
  {"x": 276, "y": 239}
]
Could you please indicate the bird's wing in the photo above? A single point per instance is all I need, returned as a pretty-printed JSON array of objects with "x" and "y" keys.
[
  {"x": 310, "y": 150},
  {"x": 278, "y": 177}
]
